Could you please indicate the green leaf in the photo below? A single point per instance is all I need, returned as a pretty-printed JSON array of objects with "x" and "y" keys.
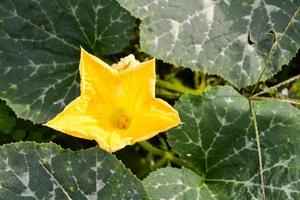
[
  {"x": 244, "y": 149},
  {"x": 45, "y": 171},
  {"x": 295, "y": 90},
  {"x": 7, "y": 121},
  {"x": 234, "y": 39},
  {"x": 172, "y": 183},
  {"x": 18, "y": 134},
  {"x": 40, "y": 48}
]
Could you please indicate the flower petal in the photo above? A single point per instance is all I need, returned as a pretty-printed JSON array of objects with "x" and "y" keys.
[
  {"x": 116, "y": 108},
  {"x": 137, "y": 85},
  {"x": 157, "y": 118},
  {"x": 112, "y": 141},
  {"x": 96, "y": 76},
  {"x": 81, "y": 119},
  {"x": 75, "y": 121}
]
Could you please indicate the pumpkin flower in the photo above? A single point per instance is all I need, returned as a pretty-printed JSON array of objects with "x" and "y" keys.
[{"x": 117, "y": 104}]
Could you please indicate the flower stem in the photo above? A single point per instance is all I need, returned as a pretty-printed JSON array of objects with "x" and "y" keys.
[
  {"x": 169, "y": 156},
  {"x": 160, "y": 163},
  {"x": 152, "y": 149},
  {"x": 277, "y": 86},
  {"x": 177, "y": 87},
  {"x": 291, "y": 101}
]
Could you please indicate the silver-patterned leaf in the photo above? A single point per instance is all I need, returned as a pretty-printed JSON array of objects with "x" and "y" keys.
[
  {"x": 218, "y": 137},
  {"x": 236, "y": 39},
  {"x": 40, "y": 46},
  {"x": 45, "y": 171},
  {"x": 176, "y": 184}
]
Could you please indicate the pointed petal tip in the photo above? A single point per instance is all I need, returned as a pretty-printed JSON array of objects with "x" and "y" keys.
[
  {"x": 151, "y": 61},
  {"x": 177, "y": 122},
  {"x": 151, "y": 64},
  {"x": 51, "y": 123},
  {"x": 109, "y": 147},
  {"x": 83, "y": 52},
  {"x": 48, "y": 123}
]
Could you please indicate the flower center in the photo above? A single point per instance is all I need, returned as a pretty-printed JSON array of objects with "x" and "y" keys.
[
  {"x": 123, "y": 122},
  {"x": 126, "y": 63}
]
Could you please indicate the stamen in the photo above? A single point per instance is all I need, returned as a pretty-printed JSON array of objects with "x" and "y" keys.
[
  {"x": 123, "y": 122},
  {"x": 125, "y": 63}
]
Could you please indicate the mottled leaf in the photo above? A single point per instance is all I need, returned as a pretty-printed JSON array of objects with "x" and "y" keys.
[
  {"x": 234, "y": 39},
  {"x": 172, "y": 183},
  {"x": 40, "y": 46},
  {"x": 45, "y": 171},
  {"x": 218, "y": 136}
]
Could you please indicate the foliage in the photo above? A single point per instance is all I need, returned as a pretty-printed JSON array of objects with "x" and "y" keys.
[
  {"x": 89, "y": 174},
  {"x": 227, "y": 66},
  {"x": 235, "y": 143},
  {"x": 242, "y": 41},
  {"x": 40, "y": 46}
]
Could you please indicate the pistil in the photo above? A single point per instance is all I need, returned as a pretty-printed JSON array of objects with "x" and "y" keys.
[{"x": 123, "y": 122}]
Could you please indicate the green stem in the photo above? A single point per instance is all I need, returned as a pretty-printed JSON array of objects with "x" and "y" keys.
[
  {"x": 167, "y": 93},
  {"x": 177, "y": 87},
  {"x": 152, "y": 149},
  {"x": 277, "y": 86},
  {"x": 291, "y": 101},
  {"x": 160, "y": 163},
  {"x": 169, "y": 156}
]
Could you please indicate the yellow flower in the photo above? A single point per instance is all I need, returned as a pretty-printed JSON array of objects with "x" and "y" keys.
[{"x": 117, "y": 105}]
